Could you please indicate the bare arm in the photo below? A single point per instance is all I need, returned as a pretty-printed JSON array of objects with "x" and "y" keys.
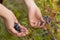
[
  {"x": 35, "y": 16},
  {"x": 5, "y": 13},
  {"x": 10, "y": 20},
  {"x": 30, "y": 3}
]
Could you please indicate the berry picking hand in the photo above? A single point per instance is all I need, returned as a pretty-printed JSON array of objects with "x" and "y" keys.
[
  {"x": 35, "y": 17},
  {"x": 12, "y": 24}
]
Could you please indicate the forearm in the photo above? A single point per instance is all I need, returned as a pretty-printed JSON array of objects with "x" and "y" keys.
[
  {"x": 30, "y": 3},
  {"x": 4, "y": 12}
]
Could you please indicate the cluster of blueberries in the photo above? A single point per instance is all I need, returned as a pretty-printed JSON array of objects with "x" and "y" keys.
[
  {"x": 45, "y": 31},
  {"x": 17, "y": 27}
]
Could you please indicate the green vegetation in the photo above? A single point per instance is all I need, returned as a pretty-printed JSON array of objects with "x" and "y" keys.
[{"x": 49, "y": 8}]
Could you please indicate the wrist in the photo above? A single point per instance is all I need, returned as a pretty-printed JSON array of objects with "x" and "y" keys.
[{"x": 30, "y": 3}]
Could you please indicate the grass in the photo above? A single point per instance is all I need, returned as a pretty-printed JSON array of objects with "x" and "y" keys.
[{"x": 20, "y": 10}]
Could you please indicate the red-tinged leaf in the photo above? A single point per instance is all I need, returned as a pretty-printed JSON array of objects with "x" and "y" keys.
[
  {"x": 58, "y": 22},
  {"x": 51, "y": 18},
  {"x": 52, "y": 14}
]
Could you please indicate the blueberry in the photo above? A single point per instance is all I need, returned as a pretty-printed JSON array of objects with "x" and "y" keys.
[
  {"x": 47, "y": 19},
  {"x": 17, "y": 27},
  {"x": 44, "y": 34}
]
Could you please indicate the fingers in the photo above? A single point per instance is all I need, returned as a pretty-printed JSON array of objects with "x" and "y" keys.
[
  {"x": 40, "y": 18},
  {"x": 35, "y": 24},
  {"x": 42, "y": 24},
  {"x": 33, "y": 21},
  {"x": 9, "y": 20},
  {"x": 23, "y": 29},
  {"x": 10, "y": 26},
  {"x": 16, "y": 33},
  {"x": 39, "y": 24}
]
